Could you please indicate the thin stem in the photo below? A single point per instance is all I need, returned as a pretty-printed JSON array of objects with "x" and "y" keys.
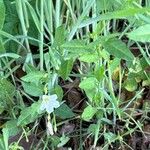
[{"x": 41, "y": 35}]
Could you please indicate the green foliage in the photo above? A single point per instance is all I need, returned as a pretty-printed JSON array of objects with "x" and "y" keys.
[
  {"x": 118, "y": 49},
  {"x": 32, "y": 89},
  {"x": 27, "y": 116},
  {"x": 12, "y": 127},
  {"x": 87, "y": 59},
  {"x": 131, "y": 84},
  {"x": 89, "y": 86},
  {"x": 7, "y": 91},
  {"x": 65, "y": 68},
  {"x": 64, "y": 112},
  {"x": 2, "y": 12},
  {"x": 140, "y": 34},
  {"x": 88, "y": 113}
]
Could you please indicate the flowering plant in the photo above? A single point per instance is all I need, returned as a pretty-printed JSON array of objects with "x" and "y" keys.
[{"x": 49, "y": 102}]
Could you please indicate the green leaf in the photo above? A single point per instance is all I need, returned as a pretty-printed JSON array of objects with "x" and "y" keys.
[
  {"x": 88, "y": 83},
  {"x": 118, "y": 49},
  {"x": 99, "y": 72},
  {"x": 54, "y": 57},
  {"x": 89, "y": 57},
  {"x": 34, "y": 15},
  {"x": 141, "y": 34},
  {"x": 33, "y": 89},
  {"x": 89, "y": 86},
  {"x": 12, "y": 55},
  {"x": 65, "y": 68},
  {"x": 5, "y": 137},
  {"x": 110, "y": 137},
  {"x": 58, "y": 91},
  {"x": 59, "y": 36},
  {"x": 29, "y": 68},
  {"x": 88, "y": 113},
  {"x": 33, "y": 32},
  {"x": 92, "y": 128},
  {"x": 2, "y": 13},
  {"x": 77, "y": 47},
  {"x": 29, "y": 114},
  {"x": 2, "y": 146},
  {"x": 114, "y": 64},
  {"x": 103, "y": 5},
  {"x": 63, "y": 140},
  {"x": 64, "y": 112},
  {"x": 33, "y": 77},
  {"x": 12, "y": 127},
  {"x": 7, "y": 91},
  {"x": 130, "y": 84},
  {"x": 119, "y": 14}
]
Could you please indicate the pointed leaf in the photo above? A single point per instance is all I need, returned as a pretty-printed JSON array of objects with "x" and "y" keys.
[
  {"x": 118, "y": 49},
  {"x": 65, "y": 68},
  {"x": 141, "y": 34},
  {"x": 29, "y": 114},
  {"x": 64, "y": 112},
  {"x": 88, "y": 113}
]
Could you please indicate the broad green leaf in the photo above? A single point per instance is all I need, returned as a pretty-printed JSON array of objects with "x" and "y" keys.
[
  {"x": 2, "y": 13},
  {"x": 88, "y": 113},
  {"x": 77, "y": 47},
  {"x": 33, "y": 89},
  {"x": 59, "y": 36},
  {"x": 93, "y": 57},
  {"x": 118, "y": 49},
  {"x": 65, "y": 68},
  {"x": 29, "y": 114},
  {"x": 130, "y": 84},
  {"x": 89, "y": 86},
  {"x": 88, "y": 83},
  {"x": 34, "y": 77},
  {"x": 12, "y": 127},
  {"x": 64, "y": 112},
  {"x": 141, "y": 34}
]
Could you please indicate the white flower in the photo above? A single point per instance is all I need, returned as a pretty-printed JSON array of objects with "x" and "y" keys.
[
  {"x": 49, "y": 103},
  {"x": 50, "y": 129}
]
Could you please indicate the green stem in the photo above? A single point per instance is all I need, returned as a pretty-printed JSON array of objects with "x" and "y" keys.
[{"x": 41, "y": 36}]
